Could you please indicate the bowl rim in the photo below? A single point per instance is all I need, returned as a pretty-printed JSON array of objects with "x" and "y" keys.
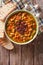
[{"x": 23, "y": 42}]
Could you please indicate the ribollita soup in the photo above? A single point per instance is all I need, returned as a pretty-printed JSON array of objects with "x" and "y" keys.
[{"x": 21, "y": 27}]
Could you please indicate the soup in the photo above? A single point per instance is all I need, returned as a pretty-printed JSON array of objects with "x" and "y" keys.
[{"x": 21, "y": 27}]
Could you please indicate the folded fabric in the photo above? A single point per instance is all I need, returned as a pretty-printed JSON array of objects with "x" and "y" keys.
[
  {"x": 4, "y": 11},
  {"x": 1, "y": 29}
]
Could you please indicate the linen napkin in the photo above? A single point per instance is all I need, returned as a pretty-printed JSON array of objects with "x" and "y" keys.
[{"x": 4, "y": 11}]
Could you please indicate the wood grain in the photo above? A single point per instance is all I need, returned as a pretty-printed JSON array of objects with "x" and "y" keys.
[
  {"x": 15, "y": 55},
  {"x": 38, "y": 51},
  {"x": 4, "y": 56},
  {"x": 27, "y": 54},
  {"x": 21, "y": 55}
]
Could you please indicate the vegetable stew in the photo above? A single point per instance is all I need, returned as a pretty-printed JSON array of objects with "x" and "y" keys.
[{"x": 21, "y": 27}]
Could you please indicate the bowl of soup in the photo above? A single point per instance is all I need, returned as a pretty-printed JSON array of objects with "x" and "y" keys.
[{"x": 21, "y": 27}]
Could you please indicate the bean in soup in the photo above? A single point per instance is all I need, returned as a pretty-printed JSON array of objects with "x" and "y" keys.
[{"x": 21, "y": 27}]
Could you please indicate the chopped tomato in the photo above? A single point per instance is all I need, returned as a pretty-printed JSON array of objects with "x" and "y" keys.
[{"x": 18, "y": 17}]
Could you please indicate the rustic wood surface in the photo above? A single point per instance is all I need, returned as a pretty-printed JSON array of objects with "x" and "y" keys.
[{"x": 31, "y": 54}]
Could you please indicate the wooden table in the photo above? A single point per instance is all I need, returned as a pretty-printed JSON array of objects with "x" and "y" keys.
[{"x": 30, "y": 54}]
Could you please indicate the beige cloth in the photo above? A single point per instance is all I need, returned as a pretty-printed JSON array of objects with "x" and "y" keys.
[{"x": 4, "y": 11}]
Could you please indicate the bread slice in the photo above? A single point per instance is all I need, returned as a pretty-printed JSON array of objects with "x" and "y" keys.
[{"x": 6, "y": 43}]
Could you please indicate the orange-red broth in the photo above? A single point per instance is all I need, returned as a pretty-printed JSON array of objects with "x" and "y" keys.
[{"x": 21, "y": 27}]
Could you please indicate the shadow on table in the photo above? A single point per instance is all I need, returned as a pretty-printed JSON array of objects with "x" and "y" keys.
[{"x": 38, "y": 50}]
